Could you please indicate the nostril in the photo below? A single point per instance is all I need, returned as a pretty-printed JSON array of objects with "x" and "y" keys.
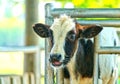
[
  {"x": 53, "y": 57},
  {"x": 59, "y": 56}
]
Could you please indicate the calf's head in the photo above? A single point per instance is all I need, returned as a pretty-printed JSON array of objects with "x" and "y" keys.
[{"x": 63, "y": 35}]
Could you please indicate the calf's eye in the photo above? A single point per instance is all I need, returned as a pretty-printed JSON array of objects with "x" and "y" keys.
[{"x": 72, "y": 37}]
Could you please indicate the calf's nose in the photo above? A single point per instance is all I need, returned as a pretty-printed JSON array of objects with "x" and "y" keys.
[{"x": 55, "y": 57}]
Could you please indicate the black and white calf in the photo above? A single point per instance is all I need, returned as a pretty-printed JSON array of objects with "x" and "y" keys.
[{"x": 73, "y": 50}]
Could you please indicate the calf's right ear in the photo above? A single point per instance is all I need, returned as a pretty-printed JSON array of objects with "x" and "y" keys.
[{"x": 42, "y": 30}]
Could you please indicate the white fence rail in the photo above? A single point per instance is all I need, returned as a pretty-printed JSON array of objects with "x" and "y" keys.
[{"x": 27, "y": 78}]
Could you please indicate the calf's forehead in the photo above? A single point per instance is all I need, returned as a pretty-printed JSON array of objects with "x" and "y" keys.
[{"x": 61, "y": 26}]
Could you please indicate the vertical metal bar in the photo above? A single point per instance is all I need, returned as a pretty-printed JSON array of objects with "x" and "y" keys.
[
  {"x": 60, "y": 76},
  {"x": 96, "y": 46},
  {"x": 49, "y": 70},
  {"x": 49, "y": 73}
]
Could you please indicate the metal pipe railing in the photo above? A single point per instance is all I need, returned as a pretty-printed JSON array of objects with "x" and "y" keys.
[
  {"x": 107, "y": 23},
  {"x": 88, "y": 12},
  {"x": 108, "y": 50}
]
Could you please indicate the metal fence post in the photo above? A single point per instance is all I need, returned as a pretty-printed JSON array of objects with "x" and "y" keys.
[
  {"x": 49, "y": 73},
  {"x": 96, "y": 47},
  {"x": 60, "y": 76}
]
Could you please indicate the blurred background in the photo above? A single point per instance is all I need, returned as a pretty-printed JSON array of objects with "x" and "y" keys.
[{"x": 13, "y": 28}]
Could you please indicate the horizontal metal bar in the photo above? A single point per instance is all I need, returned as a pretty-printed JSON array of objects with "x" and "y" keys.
[
  {"x": 108, "y": 50},
  {"x": 25, "y": 49},
  {"x": 108, "y": 23},
  {"x": 88, "y": 12}
]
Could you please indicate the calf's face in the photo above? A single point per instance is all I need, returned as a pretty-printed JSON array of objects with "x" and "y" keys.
[{"x": 63, "y": 35}]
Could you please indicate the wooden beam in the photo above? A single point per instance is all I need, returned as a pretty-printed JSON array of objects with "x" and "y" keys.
[{"x": 31, "y": 61}]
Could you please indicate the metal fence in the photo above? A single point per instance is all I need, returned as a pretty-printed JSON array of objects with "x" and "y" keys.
[
  {"x": 26, "y": 78},
  {"x": 110, "y": 18}
]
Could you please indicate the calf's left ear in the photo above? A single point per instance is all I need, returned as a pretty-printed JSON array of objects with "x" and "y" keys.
[
  {"x": 91, "y": 31},
  {"x": 42, "y": 30}
]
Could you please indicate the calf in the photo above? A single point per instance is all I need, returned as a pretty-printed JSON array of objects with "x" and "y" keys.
[{"x": 73, "y": 50}]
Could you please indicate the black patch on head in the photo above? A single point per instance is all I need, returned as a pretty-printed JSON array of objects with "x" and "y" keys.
[
  {"x": 69, "y": 47},
  {"x": 69, "y": 43},
  {"x": 51, "y": 39},
  {"x": 84, "y": 58}
]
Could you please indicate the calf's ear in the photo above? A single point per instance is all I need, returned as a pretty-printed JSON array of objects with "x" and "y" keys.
[
  {"x": 42, "y": 30},
  {"x": 91, "y": 31}
]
